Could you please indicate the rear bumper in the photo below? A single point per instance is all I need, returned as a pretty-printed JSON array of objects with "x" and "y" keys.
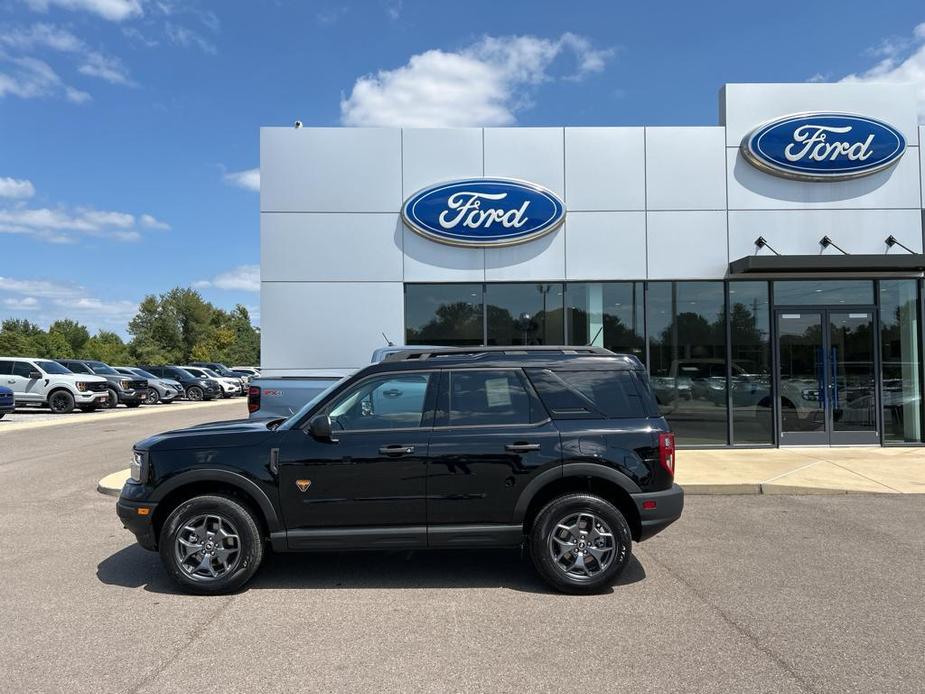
[
  {"x": 140, "y": 526},
  {"x": 668, "y": 505}
]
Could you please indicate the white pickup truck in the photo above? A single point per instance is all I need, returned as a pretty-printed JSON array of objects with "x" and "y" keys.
[{"x": 45, "y": 382}]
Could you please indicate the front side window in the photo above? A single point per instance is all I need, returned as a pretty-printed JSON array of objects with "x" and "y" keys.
[
  {"x": 22, "y": 369},
  {"x": 479, "y": 398},
  {"x": 384, "y": 402}
]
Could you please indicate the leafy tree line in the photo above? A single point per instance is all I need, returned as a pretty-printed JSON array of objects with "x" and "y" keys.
[{"x": 174, "y": 328}]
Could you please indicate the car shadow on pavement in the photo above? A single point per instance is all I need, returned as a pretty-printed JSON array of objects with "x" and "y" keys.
[{"x": 134, "y": 567}]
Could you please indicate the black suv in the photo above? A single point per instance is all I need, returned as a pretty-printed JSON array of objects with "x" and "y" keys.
[
  {"x": 559, "y": 447},
  {"x": 130, "y": 391},
  {"x": 194, "y": 388}
]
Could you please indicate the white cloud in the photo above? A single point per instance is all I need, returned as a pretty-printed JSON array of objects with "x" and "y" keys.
[
  {"x": 31, "y": 78},
  {"x": 113, "y": 10},
  {"x": 248, "y": 179},
  {"x": 30, "y": 303},
  {"x": 65, "y": 225},
  {"x": 53, "y": 300},
  {"x": 106, "y": 68},
  {"x": 149, "y": 222},
  {"x": 484, "y": 84},
  {"x": 242, "y": 278},
  {"x": 904, "y": 62},
  {"x": 184, "y": 36},
  {"x": 45, "y": 289},
  {"x": 16, "y": 188}
]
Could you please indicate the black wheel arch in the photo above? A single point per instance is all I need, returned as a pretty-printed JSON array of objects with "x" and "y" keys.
[{"x": 594, "y": 478}]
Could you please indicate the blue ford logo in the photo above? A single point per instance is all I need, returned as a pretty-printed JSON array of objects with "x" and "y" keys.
[
  {"x": 483, "y": 212},
  {"x": 823, "y": 146}
]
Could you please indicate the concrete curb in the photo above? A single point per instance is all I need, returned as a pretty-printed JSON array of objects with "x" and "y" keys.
[
  {"x": 109, "y": 415},
  {"x": 111, "y": 485}
]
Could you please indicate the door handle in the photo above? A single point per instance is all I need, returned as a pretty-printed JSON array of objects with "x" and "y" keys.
[
  {"x": 396, "y": 449},
  {"x": 521, "y": 447}
]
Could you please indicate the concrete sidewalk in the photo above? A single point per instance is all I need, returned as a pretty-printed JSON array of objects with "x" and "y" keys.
[{"x": 770, "y": 471}]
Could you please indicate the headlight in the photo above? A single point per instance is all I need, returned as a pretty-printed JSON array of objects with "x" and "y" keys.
[
  {"x": 139, "y": 471},
  {"x": 81, "y": 385}
]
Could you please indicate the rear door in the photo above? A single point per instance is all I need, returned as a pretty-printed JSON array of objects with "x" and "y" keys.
[{"x": 491, "y": 437}]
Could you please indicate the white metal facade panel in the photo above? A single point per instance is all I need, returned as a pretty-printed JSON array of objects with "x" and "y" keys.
[
  {"x": 532, "y": 154},
  {"x": 797, "y": 232},
  {"x": 331, "y": 247},
  {"x": 605, "y": 245},
  {"x": 330, "y": 170},
  {"x": 749, "y": 105},
  {"x": 687, "y": 245},
  {"x": 428, "y": 261},
  {"x": 685, "y": 169},
  {"x": 432, "y": 155},
  {"x": 327, "y": 325},
  {"x": 541, "y": 259},
  {"x": 605, "y": 169}
]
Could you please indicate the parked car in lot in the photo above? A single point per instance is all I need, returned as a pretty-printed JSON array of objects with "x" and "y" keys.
[
  {"x": 559, "y": 448},
  {"x": 248, "y": 372},
  {"x": 7, "y": 403},
  {"x": 43, "y": 382},
  {"x": 222, "y": 371},
  {"x": 159, "y": 389},
  {"x": 194, "y": 387},
  {"x": 130, "y": 391},
  {"x": 230, "y": 386},
  {"x": 285, "y": 395}
]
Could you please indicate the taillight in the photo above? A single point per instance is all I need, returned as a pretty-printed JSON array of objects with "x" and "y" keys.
[
  {"x": 666, "y": 451},
  {"x": 253, "y": 398}
]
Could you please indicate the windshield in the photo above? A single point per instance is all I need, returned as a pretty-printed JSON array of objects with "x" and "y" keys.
[
  {"x": 101, "y": 368},
  {"x": 196, "y": 373},
  {"x": 302, "y": 411},
  {"x": 210, "y": 372},
  {"x": 52, "y": 367},
  {"x": 225, "y": 371},
  {"x": 142, "y": 373},
  {"x": 180, "y": 373}
]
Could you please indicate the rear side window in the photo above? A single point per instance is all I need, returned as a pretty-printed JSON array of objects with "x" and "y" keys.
[
  {"x": 478, "y": 398},
  {"x": 586, "y": 394},
  {"x": 6, "y": 368}
]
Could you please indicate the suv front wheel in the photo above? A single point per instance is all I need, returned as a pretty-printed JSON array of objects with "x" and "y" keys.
[
  {"x": 211, "y": 545},
  {"x": 580, "y": 543}
]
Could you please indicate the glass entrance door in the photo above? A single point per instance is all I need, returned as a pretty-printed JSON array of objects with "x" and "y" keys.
[{"x": 827, "y": 377}]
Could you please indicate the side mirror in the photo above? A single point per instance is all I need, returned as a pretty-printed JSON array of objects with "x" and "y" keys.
[
  {"x": 35, "y": 375},
  {"x": 320, "y": 428}
]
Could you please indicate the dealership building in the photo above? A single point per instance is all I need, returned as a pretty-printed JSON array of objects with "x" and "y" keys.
[{"x": 767, "y": 270}]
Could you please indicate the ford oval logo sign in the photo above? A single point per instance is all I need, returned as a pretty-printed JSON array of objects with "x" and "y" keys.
[
  {"x": 483, "y": 212},
  {"x": 823, "y": 146}
]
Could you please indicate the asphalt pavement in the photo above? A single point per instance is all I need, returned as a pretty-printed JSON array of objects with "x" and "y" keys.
[{"x": 744, "y": 594}]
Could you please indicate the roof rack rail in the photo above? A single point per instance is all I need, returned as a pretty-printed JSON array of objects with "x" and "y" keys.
[{"x": 477, "y": 352}]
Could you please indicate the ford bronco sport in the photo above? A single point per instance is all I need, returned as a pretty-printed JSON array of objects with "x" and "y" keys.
[{"x": 561, "y": 448}]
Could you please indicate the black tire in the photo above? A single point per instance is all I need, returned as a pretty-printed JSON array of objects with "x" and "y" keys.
[
  {"x": 112, "y": 400},
  {"x": 153, "y": 397},
  {"x": 88, "y": 408},
  {"x": 61, "y": 402},
  {"x": 553, "y": 572},
  {"x": 2, "y": 415},
  {"x": 133, "y": 404},
  {"x": 250, "y": 546},
  {"x": 194, "y": 393}
]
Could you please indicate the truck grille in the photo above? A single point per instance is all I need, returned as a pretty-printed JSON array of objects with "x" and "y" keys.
[
  {"x": 139, "y": 385},
  {"x": 97, "y": 387}
]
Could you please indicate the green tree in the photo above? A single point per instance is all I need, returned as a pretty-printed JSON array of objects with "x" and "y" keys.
[
  {"x": 107, "y": 347},
  {"x": 73, "y": 333}
]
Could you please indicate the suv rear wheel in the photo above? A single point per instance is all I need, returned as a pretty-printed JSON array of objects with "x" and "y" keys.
[
  {"x": 211, "y": 545},
  {"x": 580, "y": 543}
]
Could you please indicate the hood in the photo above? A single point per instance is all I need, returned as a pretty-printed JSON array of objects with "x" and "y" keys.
[{"x": 234, "y": 432}]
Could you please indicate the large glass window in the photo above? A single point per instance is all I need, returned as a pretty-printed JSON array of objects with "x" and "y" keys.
[
  {"x": 750, "y": 348},
  {"x": 479, "y": 398},
  {"x": 524, "y": 314},
  {"x": 828, "y": 292},
  {"x": 901, "y": 370},
  {"x": 686, "y": 327},
  {"x": 606, "y": 314},
  {"x": 443, "y": 314},
  {"x": 385, "y": 402}
]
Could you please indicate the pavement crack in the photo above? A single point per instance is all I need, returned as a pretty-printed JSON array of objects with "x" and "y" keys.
[
  {"x": 741, "y": 629},
  {"x": 193, "y": 636}
]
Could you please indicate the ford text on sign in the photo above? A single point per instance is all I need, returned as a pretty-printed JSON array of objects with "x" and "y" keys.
[
  {"x": 483, "y": 212},
  {"x": 823, "y": 146}
]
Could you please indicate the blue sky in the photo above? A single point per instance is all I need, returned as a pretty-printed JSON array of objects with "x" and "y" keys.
[{"x": 129, "y": 128}]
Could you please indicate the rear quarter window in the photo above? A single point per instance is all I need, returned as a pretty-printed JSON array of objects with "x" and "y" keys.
[{"x": 582, "y": 394}]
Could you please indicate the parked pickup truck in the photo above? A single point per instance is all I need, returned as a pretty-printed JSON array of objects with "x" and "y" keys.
[
  {"x": 283, "y": 396},
  {"x": 46, "y": 382}
]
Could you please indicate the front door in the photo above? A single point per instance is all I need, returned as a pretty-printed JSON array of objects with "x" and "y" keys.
[
  {"x": 827, "y": 377},
  {"x": 368, "y": 484}
]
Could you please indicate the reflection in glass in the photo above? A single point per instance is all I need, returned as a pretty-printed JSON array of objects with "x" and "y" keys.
[
  {"x": 443, "y": 314},
  {"x": 818, "y": 292},
  {"x": 607, "y": 314},
  {"x": 687, "y": 344},
  {"x": 802, "y": 372},
  {"x": 899, "y": 347},
  {"x": 752, "y": 412},
  {"x": 853, "y": 380},
  {"x": 524, "y": 314}
]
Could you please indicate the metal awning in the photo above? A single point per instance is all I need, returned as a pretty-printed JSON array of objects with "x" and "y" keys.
[{"x": 829, "y": 262}]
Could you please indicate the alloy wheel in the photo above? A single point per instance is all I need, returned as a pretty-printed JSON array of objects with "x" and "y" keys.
[
  {"x": 59, "y": 403},
  {"x": 207, "y": 547},
  {"x": 582, "y": 545}
]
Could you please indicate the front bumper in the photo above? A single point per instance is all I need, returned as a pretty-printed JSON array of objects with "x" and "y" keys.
[
  {"x": 133, "y": 396},
  {"x": 86, "y": 397},
  {"x": 137, "y": 516},
  {"x": 668, "y": 505}
]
